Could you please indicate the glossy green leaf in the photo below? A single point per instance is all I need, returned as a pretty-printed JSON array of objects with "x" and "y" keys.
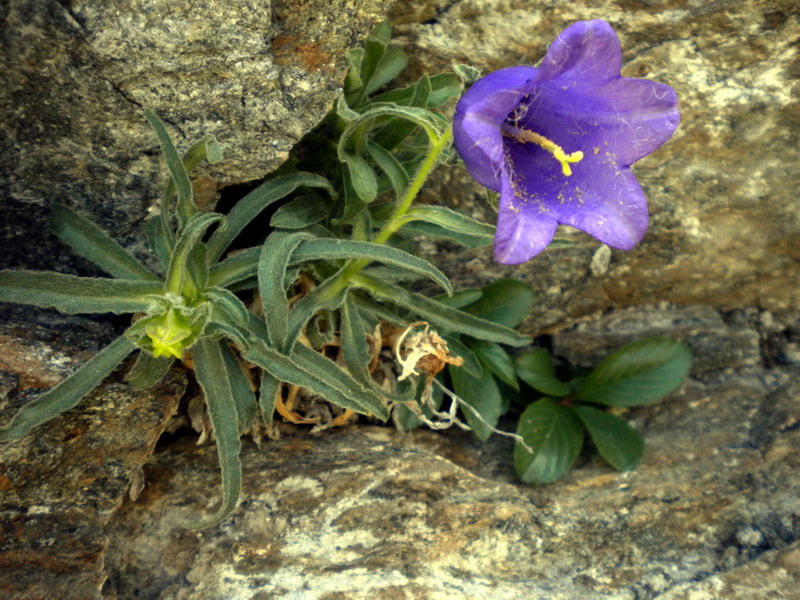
[
  {"x": 183, "y": 186},
  {"x": 148, "y": 370},
  {"x": 362, "y": 176},
  {"x": 300, "y": 212},
  {"x": 461, "y": 298},
  {"x": 471, "y": 365},
  {"x": 483, "y": 395},
  {"x": 72, "y": 295},
  {"x": 535, "y": 367},
  {"x": 497, "y": 360},
  {"x": 66, "y": 394},
  {"x": 94, "y": 244},
  {"x": 505, "y": 301},
  {"x": 639, "y": 373},
  {"x": 448, "y": 320},
  {"x": 256, "y": 201},
  {"x": 333, "y": 249},
  {"x": 555, "y": 434},
  {"x": 212, "y": 375},
  {"x": 615, "y": 439},
  {"x": 404, "y": 418}
]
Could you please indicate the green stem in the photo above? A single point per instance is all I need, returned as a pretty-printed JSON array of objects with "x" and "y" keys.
[{"x": 397, "y": 218}]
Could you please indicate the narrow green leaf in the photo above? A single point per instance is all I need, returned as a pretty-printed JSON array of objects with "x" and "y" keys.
[
  {"x": 300, "y": 212},
  {"x": 94, "y": 244},
  {"x": 390, "y": 65},
  {"x": 70, "y": 294},
  {"x": 185, "y": 206},
  {"x": 397, "y": 174},
  {"x": 212, "y": 375},
  {"x": 148, "y": 370},
  {"x": 328, "y": 295},
  {"x": 243, "y": 395},
  {"x": 639, "y": 373},
  {"x": 448, "y": 320},
  {"x": 497, "y": 360},
  {"x": 309, "y": 369},
  {"x": 240, "y": 265},
  {"x": 272, "y": 264},
  {"x": 505, "y": 301},
  {"x": 256, "y": 201},
  {"x": 179, "y": 280},
  {"x": 535, "y": 367},
  {"x": 483, "y": 395},
  {"x": 395, "y": 131},
  {"x": 430, "y": 230},
  {"x": 452, "y": 221},
  {"x": 555, "y": 435},
  {"x": 268, "y": 391},
  {"x": 362, "y": 176},
  {"x": 69, "y": 392},
  {"x": 461, "y": 298},
  {"x": 333, "y": 249},
  {"x": 160, "y": 239},
  {"x": 471, "y": 363},
  {"x": 443, "y": 88},
  {"x": 615, "y": 439},
  {"x": 226, "y": 307}
]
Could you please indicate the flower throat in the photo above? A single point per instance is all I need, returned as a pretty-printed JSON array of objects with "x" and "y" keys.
[{"x": 525, "y": 135}]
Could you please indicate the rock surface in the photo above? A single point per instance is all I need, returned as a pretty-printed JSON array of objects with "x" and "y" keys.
[
  {"x": 725, "y": 221},
  {"x": 59, "y": 486},
  {"x": 367, "y": 513},
  {"x": 257, "y": 74}
]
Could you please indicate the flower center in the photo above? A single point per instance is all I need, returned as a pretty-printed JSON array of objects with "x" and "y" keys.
[{"x": 525, "y": 135}]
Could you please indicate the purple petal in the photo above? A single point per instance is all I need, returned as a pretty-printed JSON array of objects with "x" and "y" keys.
[
  {"x": 585, "y": 54},
  {"x": 522, "y": 231},
  {"x": 479, "y": 114}
]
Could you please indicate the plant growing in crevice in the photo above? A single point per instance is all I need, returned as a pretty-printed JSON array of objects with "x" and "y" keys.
[{"x": 322, "y": 308}]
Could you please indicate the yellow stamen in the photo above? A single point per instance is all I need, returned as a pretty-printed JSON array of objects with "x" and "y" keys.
[{"x": 525, "y": 135}]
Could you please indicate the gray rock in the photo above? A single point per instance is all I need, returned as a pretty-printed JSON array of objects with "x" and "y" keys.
[
  {"x": 715, "y": 344},
  {"x": 59, "y": 485},
  {"x": 725, "y": 217},
  {"x": 256, "y": 74},
  {"x": 368, "y": 513}
]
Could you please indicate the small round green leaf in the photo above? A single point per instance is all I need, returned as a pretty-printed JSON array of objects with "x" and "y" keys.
[
  {"x": 615, "y": 439},
  {"x": 555, "y": 434},
  {"x": 536, "y": 368},
  {"x": 506, "y": 301},
  {"x": 637, "y": 374}
]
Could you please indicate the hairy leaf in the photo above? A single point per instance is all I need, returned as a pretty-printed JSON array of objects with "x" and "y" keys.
[
  {"x": 94, "y": 244},
  {"x": 212, "y": 375},
  {"x": 72, "y": 295},
  {"x": 256, "y": 201},
  {"x": 148, "y": 370},
  {"x": 67, "y": 393}
]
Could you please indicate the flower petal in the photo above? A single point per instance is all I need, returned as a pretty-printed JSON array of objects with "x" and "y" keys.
[
  {"x": 585, "y": 54},
  {"x": 479, "y": 114},
  {"x": 522, "y": 231},
  {"x": 600, "y": 197}
]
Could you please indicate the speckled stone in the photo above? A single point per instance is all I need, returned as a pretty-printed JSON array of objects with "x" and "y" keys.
[
  {"x": 367, "y": 513},
  {"x": 257, "y": 74},
  {"x": 725, "y": 220},
  {"x": 60, "y": 484}
]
